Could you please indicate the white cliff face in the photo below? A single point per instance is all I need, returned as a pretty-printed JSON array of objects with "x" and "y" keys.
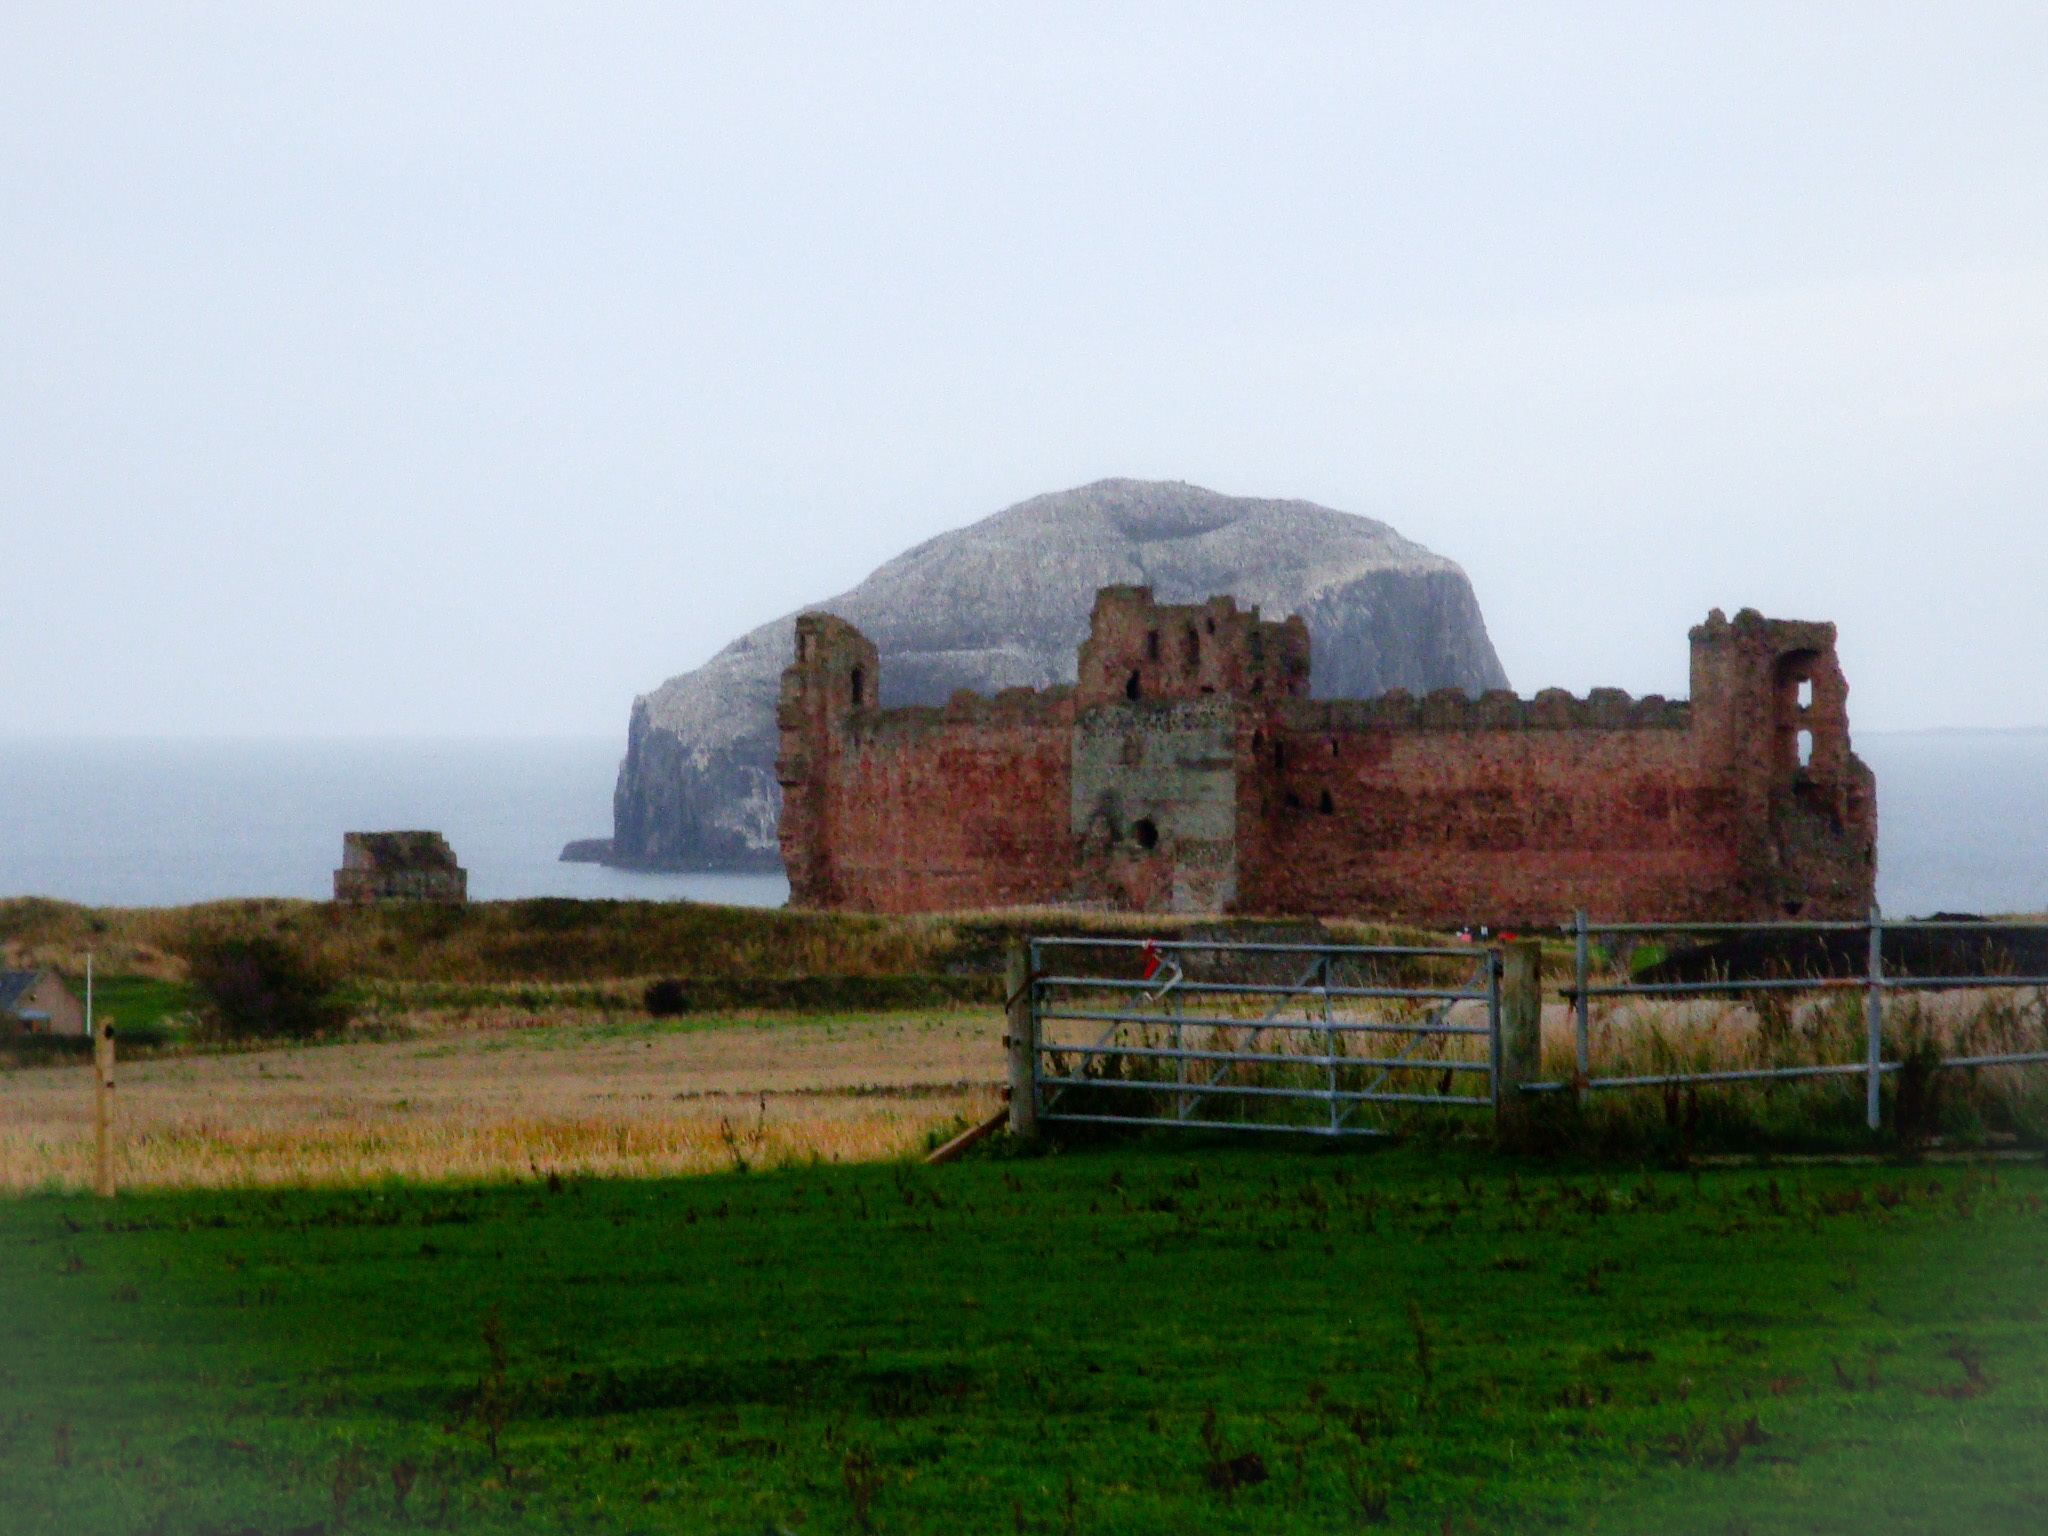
[{"x": 1005, "y": 602}]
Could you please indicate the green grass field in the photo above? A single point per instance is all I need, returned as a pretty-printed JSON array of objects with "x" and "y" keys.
[
  {"x": 1135, "y": 1338},
  {"x": 138, "y": 1002}
]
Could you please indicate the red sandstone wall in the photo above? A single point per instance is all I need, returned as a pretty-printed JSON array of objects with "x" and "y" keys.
[
  {"x": 1496, "y": 826},
  {"x": 932, "y": 815}
]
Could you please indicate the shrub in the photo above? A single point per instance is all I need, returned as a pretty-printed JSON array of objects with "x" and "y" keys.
[
  {"x": 672, "y": 997},
  {"x": 667, "y": 999},
  {"x": 1916, "y": 1103},
  {"x": 257, "y": 985},
  {"x": 41, "y": 1050}
]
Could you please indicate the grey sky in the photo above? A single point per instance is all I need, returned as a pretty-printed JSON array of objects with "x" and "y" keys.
[{"x": 441, "y": 368}]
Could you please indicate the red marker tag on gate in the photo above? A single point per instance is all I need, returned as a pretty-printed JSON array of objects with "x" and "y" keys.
[{"x": 1150, "y": 955}]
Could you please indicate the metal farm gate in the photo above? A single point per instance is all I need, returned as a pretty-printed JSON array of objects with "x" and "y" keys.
[
  {"x": 1333, "y": 1039},
  {"x": 1317, "y": 1039}
]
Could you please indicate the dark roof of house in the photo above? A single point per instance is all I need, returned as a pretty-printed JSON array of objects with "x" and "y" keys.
[{"x": 15, "y": 985}]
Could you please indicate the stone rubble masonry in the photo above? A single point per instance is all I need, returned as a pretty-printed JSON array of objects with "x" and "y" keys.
[
  {"x": 1189, "y": 771},
  {"x": 399, "y": 866}
]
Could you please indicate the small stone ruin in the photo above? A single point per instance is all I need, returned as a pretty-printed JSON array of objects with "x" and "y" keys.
[{"x": 399, "y": 866}]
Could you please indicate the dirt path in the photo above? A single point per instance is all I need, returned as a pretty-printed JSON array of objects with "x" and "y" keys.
[{"x": 499, "y": 1096}]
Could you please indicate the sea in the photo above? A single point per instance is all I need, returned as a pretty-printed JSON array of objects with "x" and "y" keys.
[
  {"x": 148, "y": 823},
  {"x": 1962, "y": 816}
]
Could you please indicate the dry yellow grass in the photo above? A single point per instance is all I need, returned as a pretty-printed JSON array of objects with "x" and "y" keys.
[
  {"x": 508, "y": 1094},
  {"x": 1644, "y": 1036}
]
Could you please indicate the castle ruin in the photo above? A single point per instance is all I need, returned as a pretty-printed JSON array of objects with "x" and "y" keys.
[
  {"x": 1188, "y": 770},
  {"x": 399, "y": 866}
]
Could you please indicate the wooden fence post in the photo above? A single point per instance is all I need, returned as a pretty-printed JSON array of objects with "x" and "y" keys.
[
  {"x": 1021, "y": 1036},
  {"x": 1521, "y": 1036},
  {"x": 103, "y": 1108}
]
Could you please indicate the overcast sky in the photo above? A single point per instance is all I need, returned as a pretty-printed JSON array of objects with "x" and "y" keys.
[{"x": 427, "y": 369}]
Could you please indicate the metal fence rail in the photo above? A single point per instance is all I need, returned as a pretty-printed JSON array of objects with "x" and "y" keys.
[
  {"x": 1114, "y": 1079},
  {"x": 1874, "y": 983}
]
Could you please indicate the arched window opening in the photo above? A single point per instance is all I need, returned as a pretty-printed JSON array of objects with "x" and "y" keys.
[
  {"x": 1333, "y": 746},
  {"x": 1792, "y": 696},
  {"x": 1151, "y": 645},
  {"x": 1212, "y": 626},
  {"x": 1325, "y": 804},
  {"x": 1194, "y": 646},
  {"x": 1293, "y": 801},
  {"x": 1131, "y": 686},
  {"x": 1147, "y": 832},
  {"x": 1258, "y": 743},
  {"x": 1279, "y": 753},
  {"x": 860, "y": 686}
]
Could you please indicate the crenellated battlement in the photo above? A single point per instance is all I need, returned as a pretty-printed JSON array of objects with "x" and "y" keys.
[
  {"x": 1451, "y": 709},
  {"x": 1011, "y": 707}
]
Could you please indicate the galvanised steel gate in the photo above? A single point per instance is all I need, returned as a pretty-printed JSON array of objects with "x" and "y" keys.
[{"x": 1318, "y": 1039}]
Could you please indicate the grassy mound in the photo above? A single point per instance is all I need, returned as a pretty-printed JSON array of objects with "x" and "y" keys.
[{"x": 560, "y": 940}]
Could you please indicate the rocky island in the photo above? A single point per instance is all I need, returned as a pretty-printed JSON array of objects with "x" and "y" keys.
[{"x": 1003, "y": 603}]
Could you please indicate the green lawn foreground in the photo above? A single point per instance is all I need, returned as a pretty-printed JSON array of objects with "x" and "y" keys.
[{"x": 1134, "y": 1338}]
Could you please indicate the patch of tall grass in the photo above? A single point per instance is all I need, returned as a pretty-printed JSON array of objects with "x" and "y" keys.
[{"x": 1642, "y": 1038}]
